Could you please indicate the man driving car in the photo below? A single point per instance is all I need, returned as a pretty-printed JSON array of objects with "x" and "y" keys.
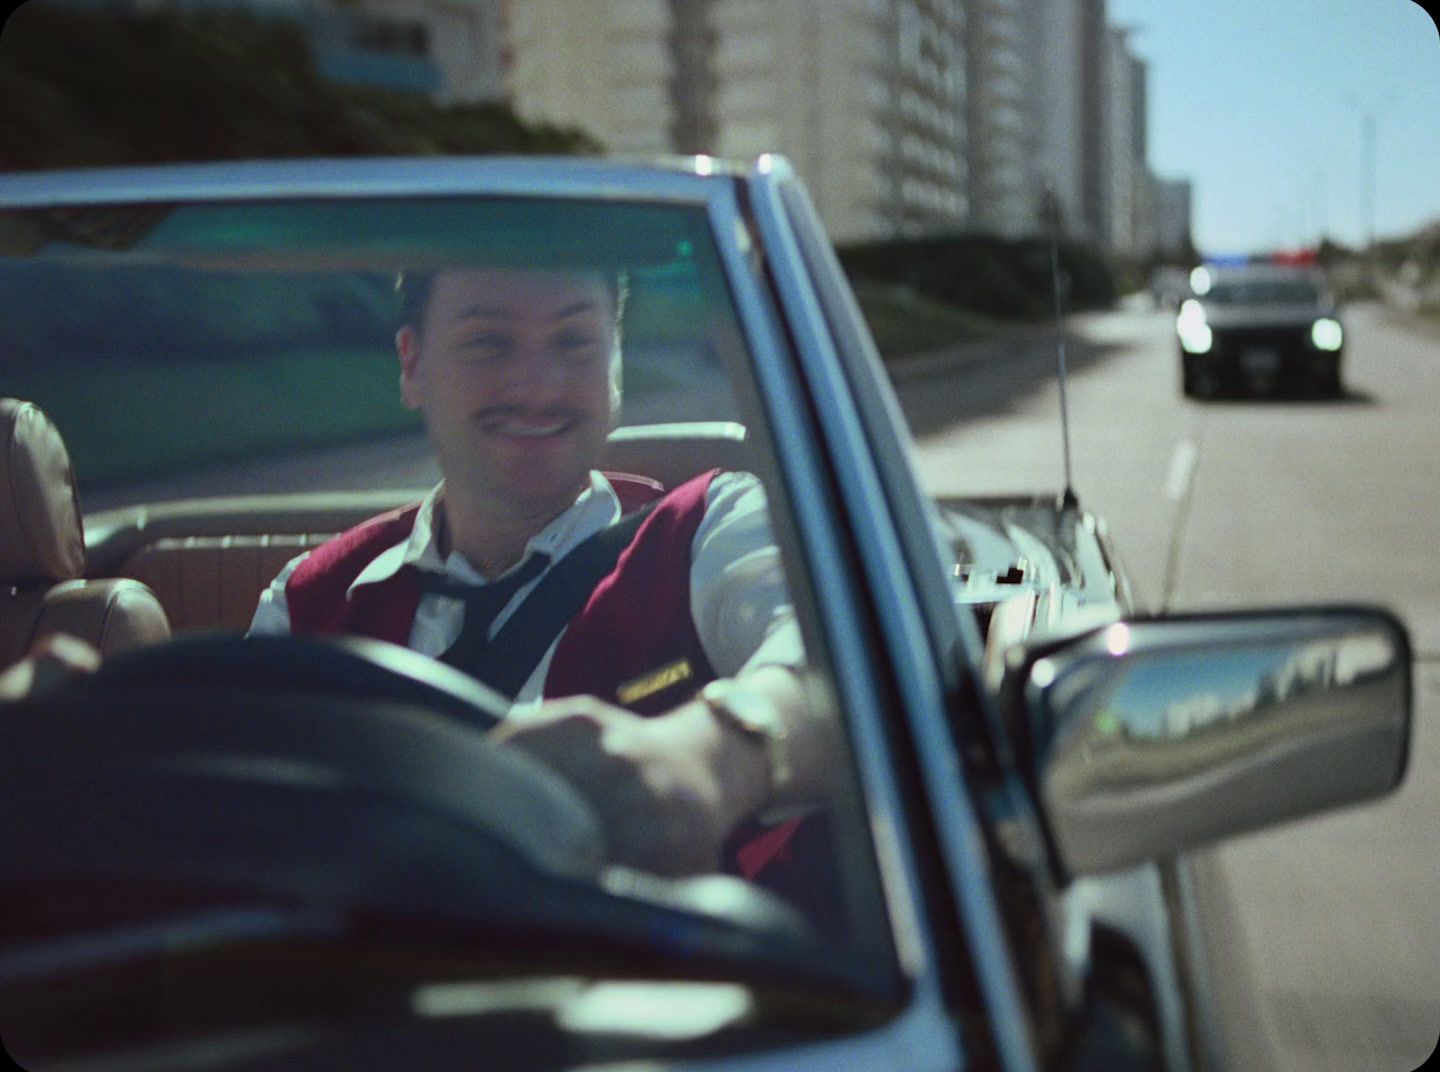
[{"x": 670, "y": 698}]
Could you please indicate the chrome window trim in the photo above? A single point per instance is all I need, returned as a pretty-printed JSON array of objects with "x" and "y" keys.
[
  {"x": 276, "y": 179},
  {"x": 883, "y": 560},
  {"x": 779, "y": 394},
  {"x": 803, "y": 469}
]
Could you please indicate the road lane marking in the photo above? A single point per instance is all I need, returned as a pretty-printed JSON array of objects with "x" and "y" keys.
[
  {"x": 1182, "y": 470},
  {"x": 1179, "y": 488}
]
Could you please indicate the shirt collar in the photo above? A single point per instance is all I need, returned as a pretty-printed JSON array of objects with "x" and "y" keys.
[{"x": 595, "y": 508}]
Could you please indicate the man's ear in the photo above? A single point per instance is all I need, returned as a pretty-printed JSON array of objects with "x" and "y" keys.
[{"x": 407, "y": 346}]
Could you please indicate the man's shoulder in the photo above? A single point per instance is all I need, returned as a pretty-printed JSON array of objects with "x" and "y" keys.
[
  {"x": 348, "y": 552},
  {"x": 693, "y": 496},
  {"x": 732, "y": 490}
]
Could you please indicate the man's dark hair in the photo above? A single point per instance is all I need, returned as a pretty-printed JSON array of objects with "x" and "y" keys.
[{"x": 413, "y": 291}]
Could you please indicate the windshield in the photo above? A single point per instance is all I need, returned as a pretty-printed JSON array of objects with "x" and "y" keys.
[
  {"x": 470, "y": 390},
  {"x": 1264, "y": 292},
  {"x": 171, "y": 342}
]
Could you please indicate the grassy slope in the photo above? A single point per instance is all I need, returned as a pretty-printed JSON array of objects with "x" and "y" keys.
[{"x": 904, "y": 323}]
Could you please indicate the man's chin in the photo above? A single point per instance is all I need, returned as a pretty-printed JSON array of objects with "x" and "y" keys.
[
  {"x": 538, "y": 479},
  {"x": 541, "y": 470}
]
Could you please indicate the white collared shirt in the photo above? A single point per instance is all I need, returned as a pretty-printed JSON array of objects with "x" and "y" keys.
[{"x": 738, "y": 596}]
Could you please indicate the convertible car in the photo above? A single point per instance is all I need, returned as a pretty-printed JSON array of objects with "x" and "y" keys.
[{"x": 231, "y": 852}]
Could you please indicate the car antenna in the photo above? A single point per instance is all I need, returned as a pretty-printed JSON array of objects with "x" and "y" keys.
[{"x": 1068, "y": 501}]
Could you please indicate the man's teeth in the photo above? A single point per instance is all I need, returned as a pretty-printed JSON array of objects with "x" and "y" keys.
[{"x": 528, "y": 431}]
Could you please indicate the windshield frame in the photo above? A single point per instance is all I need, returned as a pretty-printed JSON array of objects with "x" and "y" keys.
[{"x": 805, "y": 521}]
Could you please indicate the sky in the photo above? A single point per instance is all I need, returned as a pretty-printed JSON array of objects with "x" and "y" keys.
[{"x": 1260, "y": 103}]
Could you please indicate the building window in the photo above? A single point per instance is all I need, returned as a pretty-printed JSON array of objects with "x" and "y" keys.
[{"x": 394, "y": 36}]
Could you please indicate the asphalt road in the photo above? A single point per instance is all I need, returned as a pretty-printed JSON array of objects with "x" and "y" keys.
[{"x": 1259, "y": 503}]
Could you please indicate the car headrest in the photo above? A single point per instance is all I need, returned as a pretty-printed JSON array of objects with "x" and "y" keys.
[{"x": 41, "y": 534}]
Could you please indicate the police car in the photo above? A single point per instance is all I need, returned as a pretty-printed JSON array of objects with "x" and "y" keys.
[{"x": 1260, "y": 326}]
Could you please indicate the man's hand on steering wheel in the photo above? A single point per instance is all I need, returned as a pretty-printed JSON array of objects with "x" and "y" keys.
[{"x": 668, "y": 789}]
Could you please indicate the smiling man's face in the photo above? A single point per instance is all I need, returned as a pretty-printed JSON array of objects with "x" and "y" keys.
[{"x": 511, "y": 371}]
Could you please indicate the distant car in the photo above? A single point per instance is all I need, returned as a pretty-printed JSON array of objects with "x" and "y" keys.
[{"x": 1260, "y": 327}]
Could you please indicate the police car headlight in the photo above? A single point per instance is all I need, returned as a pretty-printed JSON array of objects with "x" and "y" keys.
[
  {"x": 1195, "y": 335},
  {"x": 1327, "y": 334},
  {"x": 1197, "y": 338}
]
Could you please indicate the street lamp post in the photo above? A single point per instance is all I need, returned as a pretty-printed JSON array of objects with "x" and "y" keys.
[{"x": 1367, "y": 179}]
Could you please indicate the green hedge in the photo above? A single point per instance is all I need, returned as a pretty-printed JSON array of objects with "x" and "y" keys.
[
  {"x": 1007, "y": 279},
  {"x": 86, "y": 88},
  {"x": 903, "y": 323}
]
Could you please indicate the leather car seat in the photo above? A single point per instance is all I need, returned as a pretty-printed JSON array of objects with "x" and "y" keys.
[{"x": 42, "y": 552}]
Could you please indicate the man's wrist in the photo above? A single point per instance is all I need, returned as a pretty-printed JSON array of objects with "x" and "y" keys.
[{"x": 749, "y": 714}]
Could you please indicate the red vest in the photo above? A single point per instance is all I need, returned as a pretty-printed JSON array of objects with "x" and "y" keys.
[{"x": 633, "y": 644}]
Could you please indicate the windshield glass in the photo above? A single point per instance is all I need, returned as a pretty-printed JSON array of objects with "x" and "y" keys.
[
  {"x": 1263, "y": 292},
  {"x": 171, "y": 342},
  {"x": 470, "y": 389}
]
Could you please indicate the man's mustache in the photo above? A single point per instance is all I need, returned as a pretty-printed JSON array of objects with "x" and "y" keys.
[{"x": 508, "y": 412}]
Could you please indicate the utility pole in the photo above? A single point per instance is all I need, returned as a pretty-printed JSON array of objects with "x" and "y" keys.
[
  {"x": 1367, "y": 174},
  {"x": 1367, "y": 182}
]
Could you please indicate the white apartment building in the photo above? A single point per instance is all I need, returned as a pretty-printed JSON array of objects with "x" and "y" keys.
[
  {"x": 1128, "y": 186},
  {"x": 1001, "y": 115},
  {"x": 1060, "y": 64},
  {"x": 604, "y": 66},
  {"x": 1172, "y": 216},
  {"x": 865, "y": 97}
]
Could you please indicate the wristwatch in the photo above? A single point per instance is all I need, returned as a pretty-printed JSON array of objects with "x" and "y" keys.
[{"x": 756, "y": 716}]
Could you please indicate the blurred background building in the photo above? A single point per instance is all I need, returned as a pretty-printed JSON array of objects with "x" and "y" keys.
[
  {"x": 1125, "y": 222},
  {"x": 866, "y": 97},
  {"x": 904, "y": 117},
  {"x": 451, "y": 50},
  {"x": 1003, "y": 113},
  {"x": 1172, "y": 217}
]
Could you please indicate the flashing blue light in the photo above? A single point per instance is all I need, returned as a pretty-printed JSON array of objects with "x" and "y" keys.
[{"x": 1228, "y": 260}]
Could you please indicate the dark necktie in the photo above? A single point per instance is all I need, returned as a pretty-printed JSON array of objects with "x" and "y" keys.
[{"x": 482, "y": 603}]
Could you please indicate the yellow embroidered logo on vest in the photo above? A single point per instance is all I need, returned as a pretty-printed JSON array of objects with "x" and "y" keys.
[{"x": 653, "y": 682}]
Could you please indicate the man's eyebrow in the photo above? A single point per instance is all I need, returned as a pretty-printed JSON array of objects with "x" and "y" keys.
[
  {"x": 480, "y": 312},
  {"x": 585, "y": 305}
]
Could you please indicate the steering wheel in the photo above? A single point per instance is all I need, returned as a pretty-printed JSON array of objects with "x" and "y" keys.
[
  {"x": 335, "y": 769},
  {"x": 349, "y": 666},
  {"x": 345, "y": 768}
]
